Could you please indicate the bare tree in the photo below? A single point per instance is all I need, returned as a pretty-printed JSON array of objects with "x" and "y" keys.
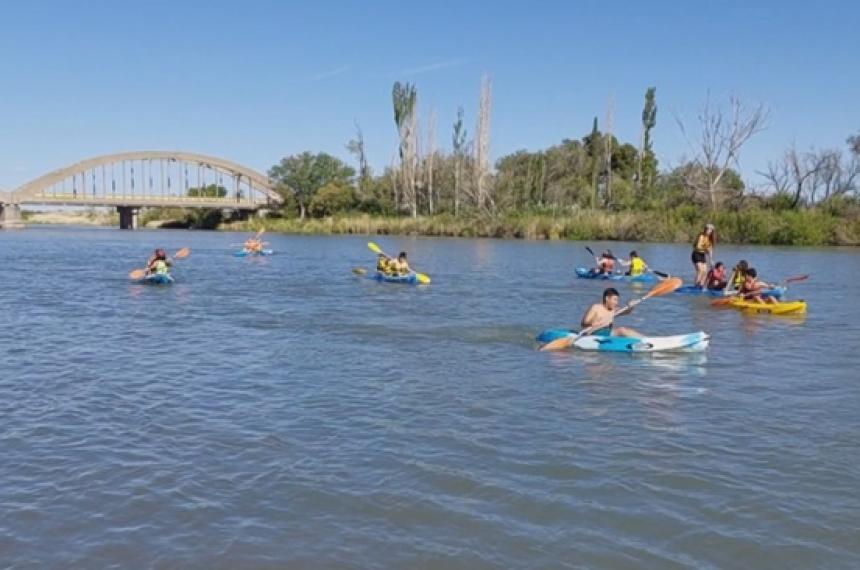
[
  {"x": 459, "y": 145},
  {"x": 717, "y": 147},
  {"x": 607, "y": 138},
  {"x": 356, "y": 147},
  {"x": 405, "y": 100},
  {"x": 793, "y": 174},
  {"x": 482, "y": 198},
  {"x": 428, "y": 163}
]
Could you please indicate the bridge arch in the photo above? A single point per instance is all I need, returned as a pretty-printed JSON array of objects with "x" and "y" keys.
[{"x": 251, "y": 190}]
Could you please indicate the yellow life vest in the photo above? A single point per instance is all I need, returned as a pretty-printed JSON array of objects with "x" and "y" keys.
[
  {"x": 637, "y": 266},
  {"x": 160, "y": 267},
  {"x": 703, "y": 243}
]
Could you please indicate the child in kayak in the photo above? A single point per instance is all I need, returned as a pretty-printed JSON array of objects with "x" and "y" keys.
[
  {"x": 636, "y": 264},
  {"x": 703, "y": 253},
  {"x": 716, "y": 280},
  {"x": 158, "y": 263},
  {"x": 739, "y": 273},
  {"x": 602, "y": 316},
  {"x": 383, "y": 264},
  {"x": 400, "y": 266},
  {"x": 751, "y": 288},
  {"x": 605, "y": 264}
]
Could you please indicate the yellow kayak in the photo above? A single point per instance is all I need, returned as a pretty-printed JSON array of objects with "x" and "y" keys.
[{"x": 781, "y": 308}]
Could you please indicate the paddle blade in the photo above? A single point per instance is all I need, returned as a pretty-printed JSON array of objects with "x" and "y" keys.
[
  {"x": 664, "y": 287},
  {"x": 259, "y": 233},
  {"x": 660, "y": 273},
  {"x": 359, "y": 270},
  {"x": 559, "y": 343},
  {"x": 137, "y": 274},
  {"x": 588, "y": 249},
  {"x": 182, "y": 253},
  {"x": 723, "y": 302},
  {"x": 797, "y": 278},
  {"x": 422, "y": 278},
  {"x": 374, "y": 248}
]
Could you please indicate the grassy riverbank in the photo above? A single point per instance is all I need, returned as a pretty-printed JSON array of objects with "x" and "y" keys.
[{"x": 753, "y": 226}]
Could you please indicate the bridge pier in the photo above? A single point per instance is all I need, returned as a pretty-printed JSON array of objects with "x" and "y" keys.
[
  {"x": 10, "y": 216},
  {"x": 127, "y": 217}
]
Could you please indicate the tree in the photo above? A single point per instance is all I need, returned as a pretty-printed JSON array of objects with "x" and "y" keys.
[
  {"x": 794, "y": 174},
  {"x": 646, "y": 167},
  {"x": 609, "y": 141},
  {"x": 854, "y": 144},
  {"x": 428, "y": 161},
  {"x": 336, "y": 196},
  {"x": 303, "y": 174},
  {"x": 356, "y": 147},
  {"x": 208, "y": 191},
  {"x": 592, "y": 142},
  {"x": 459, "y": 145},
  {"x": 404, "y": 98},
  {"x": 721, "y": 135},
  {"x": 482, "y": 198}
]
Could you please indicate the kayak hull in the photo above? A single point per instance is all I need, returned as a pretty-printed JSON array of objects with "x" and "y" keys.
[
  {"x": 157, "y": 279},
  {"x": 585, "y": 273},
  {"x": 245, "y": 253},
  {"x": 776, "y": 292},
  {"x": 693, "y": 342},
  {"x": 409, "y": 279},
  {"x": 782, "y": 308}
]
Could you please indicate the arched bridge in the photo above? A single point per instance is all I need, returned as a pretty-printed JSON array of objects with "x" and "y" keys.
[{"x": 147, "y": 179}]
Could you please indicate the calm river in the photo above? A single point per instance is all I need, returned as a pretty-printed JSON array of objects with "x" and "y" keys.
[{"x": 283, "y": 413}]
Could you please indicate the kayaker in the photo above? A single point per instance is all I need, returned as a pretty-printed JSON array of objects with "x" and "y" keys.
[
  {"x": 636, "y": 264},
  {"x": 751, "y": 288},
  {"x": 383, "y": 264},
  {"x": 605, "y": 264},
  {"x": 253, "y": 245},
  {"x": 716, "y": 280},
  {"x": 739, "y": 273},
  {"x": 703, "y": 253},
  {"x": 400, "y": 266},
  {"x": 602, "y": 316},
  {"x": 158, "y": 263}
]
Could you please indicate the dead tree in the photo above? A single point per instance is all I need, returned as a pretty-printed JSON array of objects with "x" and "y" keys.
[{"x": 483, "y": 200}]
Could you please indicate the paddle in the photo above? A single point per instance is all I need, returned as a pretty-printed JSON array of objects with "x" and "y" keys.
[
  {"x": 731, "y": 297},
  {"x": 359, "y": 270},
  {"x": 661, "y": 288},
  {"x": 422, "y": 278},
  {"x": 138, "y": 274}
]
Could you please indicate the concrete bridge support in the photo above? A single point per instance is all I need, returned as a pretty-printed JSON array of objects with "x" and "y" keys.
[
  {"x": 10, "y": 216},
  {"x": 127, "y": 217}
]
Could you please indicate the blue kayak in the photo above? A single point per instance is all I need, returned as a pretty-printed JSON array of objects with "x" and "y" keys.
[
  {"x": 246, "y": 253},
  {"x": 585, "y": 273},
  {"x": 157, "y": 279},
  {"x": 411, "y": 278},
  {"x": 776, "y": 292},
  {"x": 693, "y": 342}
]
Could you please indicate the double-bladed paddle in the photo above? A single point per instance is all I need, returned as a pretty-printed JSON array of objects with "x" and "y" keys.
[
  {"x": 422, "y": 278},
  {"x": 661, "y": 288},
  {"x": 141, "y": 273}
]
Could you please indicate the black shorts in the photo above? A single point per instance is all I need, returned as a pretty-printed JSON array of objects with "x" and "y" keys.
[{"x": 698, "y": 257}]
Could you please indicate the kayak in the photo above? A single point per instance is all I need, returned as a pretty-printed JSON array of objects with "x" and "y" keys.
[
  {"x": 410, "y": 278},
  {"x": 693, "y": 342},
  {"x": 782, "y": 308},
  {"x": 585, "y": 273},
  {"x": 246, "y": 253},
  {"x": 777, "y": 292},
  {"x": 157, "y": 279}
]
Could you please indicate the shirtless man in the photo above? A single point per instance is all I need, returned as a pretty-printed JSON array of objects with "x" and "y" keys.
[{"x": 603, "y": 314}]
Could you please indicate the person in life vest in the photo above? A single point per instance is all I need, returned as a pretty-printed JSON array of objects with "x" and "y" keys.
[
  {"x": 605, "y": 264},
  {"x": 158, "y": 263},
  {"x": 703, "y": 253},
  {"x": 602, "y": 316},
  {"x": 739, "y": 274},
  {"x": 716, "y": 279},
  {"x": 253, "y": 245},
  {"x": 400, "y": 266},
  {"x": 383, "y": 264},
  {"x": 636, "y": 264},
  {"x": 751, "y": 288}
]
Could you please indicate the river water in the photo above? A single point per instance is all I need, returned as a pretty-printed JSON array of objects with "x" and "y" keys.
[{"x": 283, "y": 413}]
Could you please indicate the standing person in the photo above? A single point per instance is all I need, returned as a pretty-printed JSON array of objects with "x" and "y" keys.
[
  {"x": 716, "y": 279},
  {"x": 703, "y": 253},
  {"x": 602, "y": 315}
]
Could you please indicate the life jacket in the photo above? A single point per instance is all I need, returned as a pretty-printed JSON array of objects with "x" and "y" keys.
[
  {"x": 703, "y": 243},
  {"x": 159, "y": 267},
  {"x": 637, "y": 266},
  {"x": 737, "y": 278},
  {"x": 382, "y": 265},
  {"x": 400, "y": 267}
]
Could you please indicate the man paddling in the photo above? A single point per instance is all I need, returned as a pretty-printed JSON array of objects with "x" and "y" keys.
[{"x": 602, "y": 316}]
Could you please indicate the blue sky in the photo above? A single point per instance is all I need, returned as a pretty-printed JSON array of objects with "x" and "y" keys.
[{"x": 257, "y": 80}]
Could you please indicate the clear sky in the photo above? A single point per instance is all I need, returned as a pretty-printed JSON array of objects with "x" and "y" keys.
[{"x": 256, "y": 80}]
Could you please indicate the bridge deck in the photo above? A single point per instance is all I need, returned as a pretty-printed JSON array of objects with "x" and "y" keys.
[{"x": 147, "y": 201}]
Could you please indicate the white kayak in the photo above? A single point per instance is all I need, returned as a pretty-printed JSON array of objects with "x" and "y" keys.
[{"x": 692, "y": 342}]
